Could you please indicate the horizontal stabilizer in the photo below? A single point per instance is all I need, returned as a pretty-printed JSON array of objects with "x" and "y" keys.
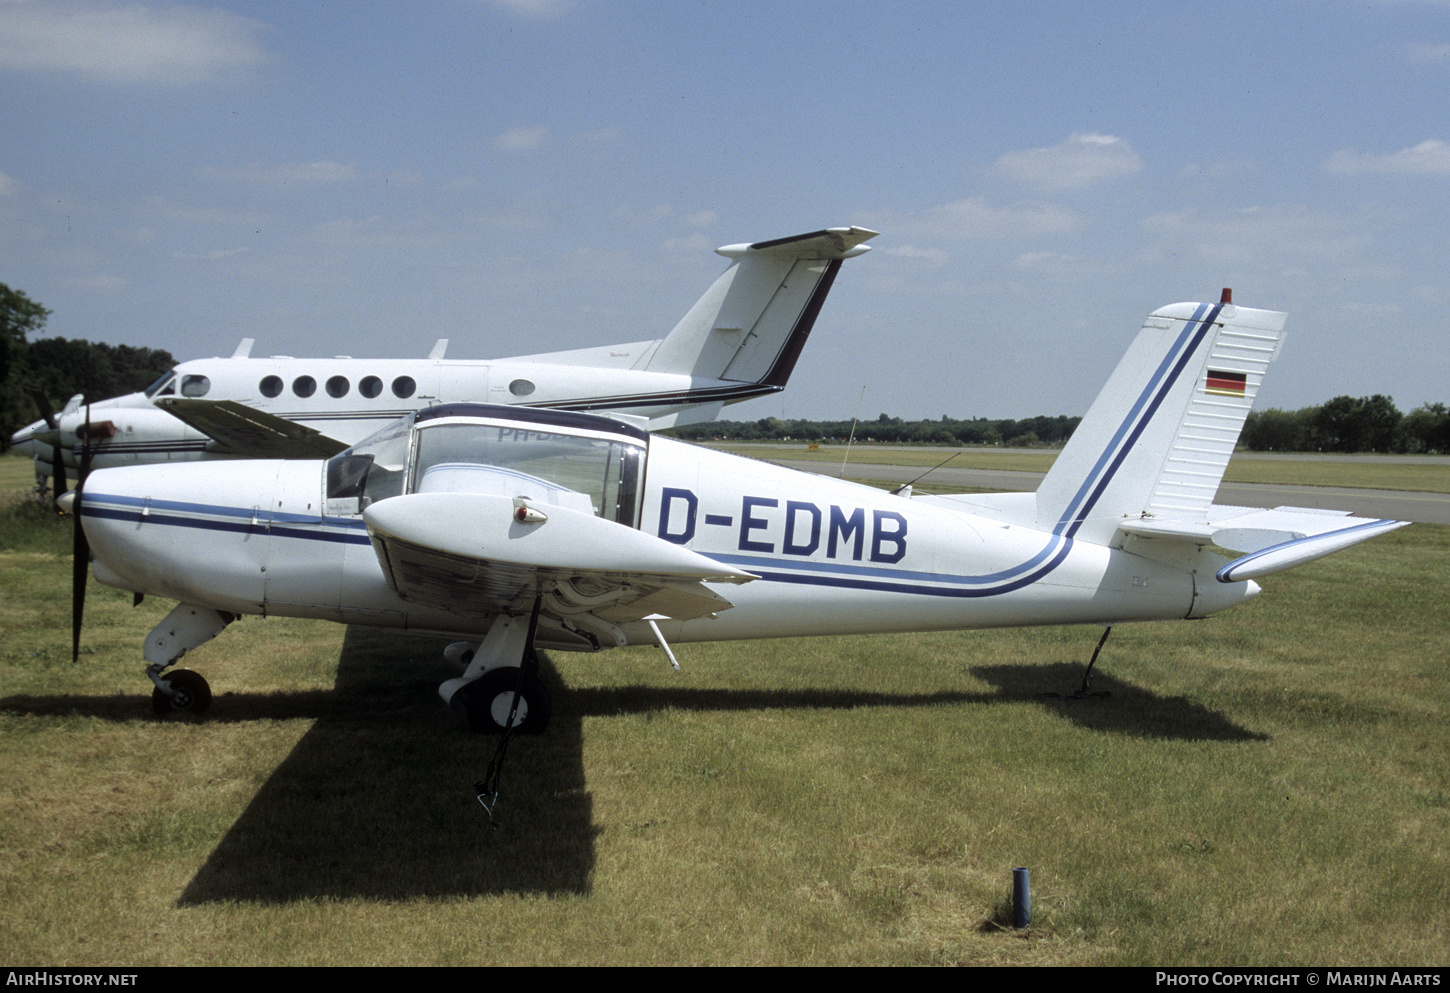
[
  {"x": 1275, "y": 540},
  {"x": 1299, "y": 547},
  {"x": 236, "y": 429}
]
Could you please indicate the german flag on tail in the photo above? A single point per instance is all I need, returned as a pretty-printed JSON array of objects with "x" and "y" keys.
[{"x": 1228, "y": 384}]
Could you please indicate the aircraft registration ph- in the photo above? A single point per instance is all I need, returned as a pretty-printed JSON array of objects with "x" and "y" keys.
[
  {"x": 512, "y": 528},
  {"x": 740, "y": 340}
]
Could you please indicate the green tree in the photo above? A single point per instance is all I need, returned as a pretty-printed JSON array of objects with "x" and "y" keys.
[
  {"x": 59, "y": 368},
  {"x": 19, "y": 316}
]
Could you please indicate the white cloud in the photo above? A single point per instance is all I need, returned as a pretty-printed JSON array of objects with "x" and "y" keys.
[
  {"x": 127, "y": 43},
  {"x": 1428, "y": 158},
  {"x": 522, "y": 139},
  {"x": 9, "y": 185},
  {"x": 975, "y": 218},
  {"x": 702, "y": 219},
  {"x": 1081, "y": 160}
]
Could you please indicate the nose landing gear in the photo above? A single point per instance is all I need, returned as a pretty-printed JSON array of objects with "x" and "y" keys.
[{"x": 182, "y": 691}]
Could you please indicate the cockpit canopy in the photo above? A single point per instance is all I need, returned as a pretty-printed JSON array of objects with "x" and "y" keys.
[{"x": 579, "y": 461}]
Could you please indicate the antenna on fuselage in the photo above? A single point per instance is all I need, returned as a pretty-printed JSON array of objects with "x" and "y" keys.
[{"x": 852, "y": 436}]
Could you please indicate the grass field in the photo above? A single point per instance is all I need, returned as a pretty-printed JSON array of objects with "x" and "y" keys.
[
  {"x": 1269, "y": 786},
  {"x": 1371, "y": 474}
]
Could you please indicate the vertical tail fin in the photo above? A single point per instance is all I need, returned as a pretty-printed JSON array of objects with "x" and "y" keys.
[
  {"x": 751, "y": 325},
  {"x": 1159, "y": 436}
]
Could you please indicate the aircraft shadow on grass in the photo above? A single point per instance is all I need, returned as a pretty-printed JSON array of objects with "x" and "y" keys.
[{"x": 376, "y": 802}]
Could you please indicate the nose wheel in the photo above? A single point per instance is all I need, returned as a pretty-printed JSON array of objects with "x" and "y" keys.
[
  {"x": 182, "y": 691},
  {"x": 486, "y": 702}
]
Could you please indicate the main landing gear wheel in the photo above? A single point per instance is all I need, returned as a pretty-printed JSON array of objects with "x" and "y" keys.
[
  {"x": 191, "y": 694},
  {"x": 487, "y": 701}
]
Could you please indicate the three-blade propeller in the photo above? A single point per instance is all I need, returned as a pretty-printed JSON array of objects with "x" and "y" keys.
[{"x": 71, "y": 503}]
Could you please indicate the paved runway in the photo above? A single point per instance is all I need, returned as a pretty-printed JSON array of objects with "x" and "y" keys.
[{"x": 1425, "y": 508}]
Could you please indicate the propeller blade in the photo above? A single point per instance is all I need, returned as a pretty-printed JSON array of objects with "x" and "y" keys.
[
  {"x": 57, "y": 459},
  {"x": 42, "y": 404},
  {"x": 57, "y": 472},
  {"x": 80, "y": 567},
  {"x": 80, "y": 547}
]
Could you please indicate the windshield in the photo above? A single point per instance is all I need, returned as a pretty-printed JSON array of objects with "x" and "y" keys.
[{"x": 164, "y": 382}]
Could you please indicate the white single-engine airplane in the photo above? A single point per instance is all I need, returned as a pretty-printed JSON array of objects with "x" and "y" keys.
[
  {"x": 514, "y": 528},
  {"x": 740, "y": 340}
]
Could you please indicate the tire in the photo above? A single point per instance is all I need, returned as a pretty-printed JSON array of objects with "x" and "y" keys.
[
  {"x": 487, "y": 701},
  {"x": 193, "y": 694}
]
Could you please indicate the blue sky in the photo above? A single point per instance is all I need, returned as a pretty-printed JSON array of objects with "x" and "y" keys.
[{"x": 523, "y": 176}]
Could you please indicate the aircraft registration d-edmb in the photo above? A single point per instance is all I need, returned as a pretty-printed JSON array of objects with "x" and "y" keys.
[{"x": 514, "y": 528}]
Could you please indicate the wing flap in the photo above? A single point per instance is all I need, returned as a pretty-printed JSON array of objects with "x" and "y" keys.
[{"x": 236, "y": 429}]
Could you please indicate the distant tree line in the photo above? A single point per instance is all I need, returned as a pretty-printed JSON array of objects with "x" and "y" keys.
[
  {"x": 1350, "y": 424},
  {"x": 1031, "y": 432},
  {"x": 1344, "y": 424},
  {"x": 59, "y": 368}
]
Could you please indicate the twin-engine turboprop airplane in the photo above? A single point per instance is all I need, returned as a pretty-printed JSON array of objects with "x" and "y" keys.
[
  {"x": 514, "y": 528},
  {"x": 740, "y": 340}
]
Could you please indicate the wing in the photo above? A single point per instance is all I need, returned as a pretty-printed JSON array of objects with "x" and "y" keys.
[
  {"x": 1274, "y": 540},
  {"x": 236, "y": 429},
  {"x": 477, "y": 554}
]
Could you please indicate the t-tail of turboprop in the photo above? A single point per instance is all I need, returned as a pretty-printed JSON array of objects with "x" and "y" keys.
[
  {"x": 740, "y": 340},
  {"x": 751, "y": 325}
]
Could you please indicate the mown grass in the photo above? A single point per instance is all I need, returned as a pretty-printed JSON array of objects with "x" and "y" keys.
[
  {"x": 1269, "y": 786},
  {"x": 1372, "y": 474}
]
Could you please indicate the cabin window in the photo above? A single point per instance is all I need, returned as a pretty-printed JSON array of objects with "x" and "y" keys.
[
  {"x": 521, "y": 387},
  {"x": 372, "y": 470},
  {"x": 271, "y": 386},
  {"x": 370, "y": 387},
  {"x": 338, "y": 386},
  {"x": 195, "y": 386},
  {"x": 404, "y": 387},
  {"x": 304, "y": 386}
]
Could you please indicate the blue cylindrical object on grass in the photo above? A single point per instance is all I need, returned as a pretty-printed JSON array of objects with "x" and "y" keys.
[{"x": 1021, "y": 897}]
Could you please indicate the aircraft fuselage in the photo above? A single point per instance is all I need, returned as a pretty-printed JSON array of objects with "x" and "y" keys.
[{"x": 832, "y": 556}]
